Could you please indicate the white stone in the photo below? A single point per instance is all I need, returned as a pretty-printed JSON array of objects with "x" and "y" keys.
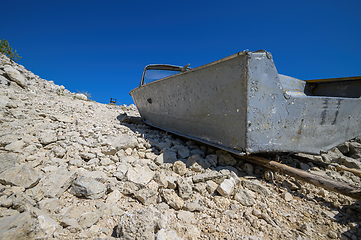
[
  {"x": 186, "y": 217},
  {"x": 23, "y": 176},
  {"x": 139, "y": 174},
  {"x": 146, "y": 196},
  {"x": 287, "y": 196},
  {"x": 15, "y": 76},
  {"x": 62, "y": 118},
  {"x": 15, "y": 146},
  {"x": 211, "y": 186},
  {"x": 180, "y": 167},
  {"x": 81, "y": 96},
  {"x": 106, "y": 162},
  {"x": 122, "y": 142},
  {"x": 47, "y": 225},
  {"x": 245, "y": 197},
  {"x": 88, "y": 188},
  {"x": 113, "y": 197},
  {"x": 167, "y": 235},
  {"x": 172, "y": 199},
  {"x": 185, "y": 187},
  {"x": 86, "y": 220},
  {"x": 256, "y": 186},
  {"x": 53, "y": 184},
  {"x": 226, "y": 187},
  {"x": 46, "y": 138},
  {"x": 140, "y": 224}
]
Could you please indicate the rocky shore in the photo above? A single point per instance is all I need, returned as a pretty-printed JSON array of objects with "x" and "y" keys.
[{"x": 71, "y": 168}]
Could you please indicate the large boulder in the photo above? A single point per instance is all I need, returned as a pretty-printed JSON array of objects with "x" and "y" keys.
[{"x": 15, "y": 76}]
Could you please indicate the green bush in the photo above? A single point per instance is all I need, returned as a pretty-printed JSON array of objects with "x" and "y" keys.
[{"x": 8, "y": 51}]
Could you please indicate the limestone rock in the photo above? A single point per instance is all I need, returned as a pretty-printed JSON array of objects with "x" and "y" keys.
[
  {"x": 62, "y": 118},
  {"x": 245, "y": 197},
  {"x": 87, "y": 156},
  {"x": 88, "y": 188},
  {"x": 287, "y": 196},
  {"x": 180, "y": 167},
  {"x": 146, "y": 196},
  {"x": 161, "y": 178},
  {"x": 256, "y": 186},
  {"x": 212, "y": 160},
  {"x": 59, "y": 152},
  {"x": 186, "y": 217},
  {"x": 49, "y": 205},
  {"x": 70, "y": 223},
  {"x": 140, "y": 224},
  {"x": 122, "y": 142},
  {"x": 211, "y": 186},
  {"x": 196, "y": 167},
  {"x": 15, "y": 75},
  {"x": 196, "y": 161},
  {"x": 349, "y": 162},
  {"x": 16, "y": 146},
  {"x": 355, "y": 149},
  {"x": 87, "y": 219},
  {"x": 81, "y": 96},
  {"x": 207, "y": 176},
  {"x": 46, "y": 138},
  {"x": 47, "y": 226},
  {"x": 172, "y": 182},
  {"x": 140, "y": 174},
  {"x": 226, "y": 187},
  {"x": 53, "y": 184},
  {"x": 172, "y": 199},
  {"x": 185, "y": 187},
  {"x": 225, "y": 159},
  {"x": 331, "y": 155},
  {"x": 22, "y": 176},
  {"x": 248, "y": 168},
  {"x": 113, "y": 197},
  {"x": 168, "y": 156},
  {"x": 167, "y": 235},
  {"x": 183, "y": 152},
  {"x": 193, "y": 207},
  {"x": 75, "y": 162},
  {"x": 7, "y": 139},
  {"x": 18, "y": 226}
]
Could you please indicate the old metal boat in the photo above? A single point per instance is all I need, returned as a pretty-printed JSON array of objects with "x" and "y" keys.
[{"x": 241, "y": 104}]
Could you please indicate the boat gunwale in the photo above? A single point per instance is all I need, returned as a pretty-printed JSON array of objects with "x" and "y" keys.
[{"x": 194, "y": 69}]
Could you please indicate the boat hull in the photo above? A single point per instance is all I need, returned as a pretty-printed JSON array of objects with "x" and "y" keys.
[{"x": 241, "y": 104}]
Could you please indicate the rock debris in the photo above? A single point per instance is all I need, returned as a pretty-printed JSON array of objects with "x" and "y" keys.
[{"x": 70, "y": 168}]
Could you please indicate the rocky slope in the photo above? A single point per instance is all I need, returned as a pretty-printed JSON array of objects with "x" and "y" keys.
[{"x": 70, "y": 168}]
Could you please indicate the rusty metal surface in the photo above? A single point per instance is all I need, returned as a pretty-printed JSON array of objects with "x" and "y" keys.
[{"x": 241, "y": 104}]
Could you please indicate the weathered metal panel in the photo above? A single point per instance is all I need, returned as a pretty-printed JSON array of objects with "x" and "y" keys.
[
  {"x": 206, "y": 103},
  {"x": 282, "y": 118},
  {"x": 241, "y": 104}
]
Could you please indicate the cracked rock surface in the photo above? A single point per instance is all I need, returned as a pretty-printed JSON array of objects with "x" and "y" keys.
[{"x": 70, "y": 168}]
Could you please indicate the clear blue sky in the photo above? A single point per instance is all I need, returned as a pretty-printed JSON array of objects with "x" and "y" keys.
[{"x": 102, "y": 46}]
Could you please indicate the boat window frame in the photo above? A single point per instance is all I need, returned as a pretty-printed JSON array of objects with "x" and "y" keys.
[{"x": 166, "y": 67}]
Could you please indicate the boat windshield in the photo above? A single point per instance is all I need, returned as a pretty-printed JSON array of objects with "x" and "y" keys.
[{"x": 153, "y": 75}]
